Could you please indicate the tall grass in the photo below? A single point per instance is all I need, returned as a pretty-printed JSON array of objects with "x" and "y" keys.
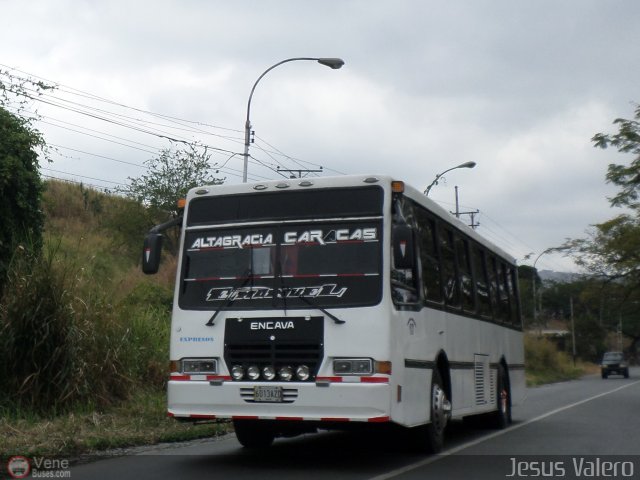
[{"x": 79, "y": 325}]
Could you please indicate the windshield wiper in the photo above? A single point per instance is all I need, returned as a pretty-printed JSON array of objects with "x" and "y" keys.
[
  {"x": 230, "y": 300},
  {"x": 282, "y": 291},
  {"x": 327, "y": 313}
]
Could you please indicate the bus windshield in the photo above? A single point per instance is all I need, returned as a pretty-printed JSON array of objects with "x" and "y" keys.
[{"x": 328, "y": 264}]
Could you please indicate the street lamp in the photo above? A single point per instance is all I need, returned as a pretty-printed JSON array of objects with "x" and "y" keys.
[
  {"x": 533, "y": 285},
  {"x": 438, "y": 176},
  {"x": 333, "y": 63}
]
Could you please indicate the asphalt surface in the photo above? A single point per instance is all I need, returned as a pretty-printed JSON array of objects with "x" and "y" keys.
[{"x": 588, "y": 428}]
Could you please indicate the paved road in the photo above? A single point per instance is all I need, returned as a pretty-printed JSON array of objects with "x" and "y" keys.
[{"x": 564, "y": 427}]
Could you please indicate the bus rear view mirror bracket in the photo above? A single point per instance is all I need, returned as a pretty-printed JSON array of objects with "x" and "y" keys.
[{"x": 403, "y": 247}]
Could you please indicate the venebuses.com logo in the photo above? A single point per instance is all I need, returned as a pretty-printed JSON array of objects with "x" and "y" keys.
[{"x": 19, "y": 466}]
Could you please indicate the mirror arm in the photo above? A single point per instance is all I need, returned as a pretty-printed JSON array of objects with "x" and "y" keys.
[{"x": 168, "y": 224}]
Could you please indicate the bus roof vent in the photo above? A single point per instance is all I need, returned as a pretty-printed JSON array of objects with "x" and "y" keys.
[
  {"x": 260, "y": 186},
  {"x": 305, "y": 183},
  {"x": 282, "y": 185},
  {"x": 370, "y": 180}
]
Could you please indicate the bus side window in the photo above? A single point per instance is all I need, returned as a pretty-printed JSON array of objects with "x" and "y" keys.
[
  {"x": 503, "y": 293},
  {"x": 449, "y": 271},
  {"x": 465, "y": 277},
  {"x": 493, "y": 286},
  {"x": 430, "y": 263},
  {"x": 512, "y": 285},
  {"x": 482, "y": 282},
  {"x": 404, "y": 278}
]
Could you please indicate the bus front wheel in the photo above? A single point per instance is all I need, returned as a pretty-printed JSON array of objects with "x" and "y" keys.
[{"x": 429, "y": 438}]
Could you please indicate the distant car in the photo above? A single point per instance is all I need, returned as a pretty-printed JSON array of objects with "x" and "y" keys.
[{"x": 614, "y": 363}]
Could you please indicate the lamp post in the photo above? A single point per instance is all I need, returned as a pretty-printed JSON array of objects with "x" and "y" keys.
[
  {"x": 333, "y": 63},
  {"x": 438, "y": 176},
  {"x": 533, "y": 284}
]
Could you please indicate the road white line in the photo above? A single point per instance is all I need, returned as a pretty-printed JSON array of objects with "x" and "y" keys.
[{"x": 446, "y": 453}]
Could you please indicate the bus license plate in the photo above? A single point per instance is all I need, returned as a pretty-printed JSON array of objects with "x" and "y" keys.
[{"x": 267, "y": 394}]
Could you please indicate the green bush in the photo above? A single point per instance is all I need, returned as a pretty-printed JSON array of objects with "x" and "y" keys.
[{"x": 545, "y": 363}]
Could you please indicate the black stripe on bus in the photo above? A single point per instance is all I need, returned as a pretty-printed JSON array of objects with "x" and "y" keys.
[{"x": 426, "y": 364}]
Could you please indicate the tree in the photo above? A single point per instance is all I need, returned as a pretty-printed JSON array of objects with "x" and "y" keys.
[
  {"x": 20, "y": 188},
  {"x": 169, "y": 178},
  {"x": 627, "y": 177},
  {"x": 611, "y": 252},
  {"x": 20, "y": 183}
]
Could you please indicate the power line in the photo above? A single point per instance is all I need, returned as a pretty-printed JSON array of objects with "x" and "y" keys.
[
  {"x": 82, "y": 176},
  {"x": 97, "y": 155},
  {"x": 97, "y": 187},
  {"x": 136, "y": 124},
  {"x": 296, "y": 160},
  {"x": 88, "y": 95}
]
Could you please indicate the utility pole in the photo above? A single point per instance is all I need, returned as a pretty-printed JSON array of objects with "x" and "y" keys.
[
  {"x": 620, "y": 346},
  {"x": 471, "y": 214}
]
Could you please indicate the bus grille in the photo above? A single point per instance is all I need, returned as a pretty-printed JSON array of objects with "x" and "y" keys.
[{"x": 300, "y": 345}]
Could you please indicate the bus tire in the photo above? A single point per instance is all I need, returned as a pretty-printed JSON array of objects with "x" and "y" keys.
[
  {"x": 253, "y": 434},
  {"x": 440, "y": 411},
  {"x": 502, "y": 416}
]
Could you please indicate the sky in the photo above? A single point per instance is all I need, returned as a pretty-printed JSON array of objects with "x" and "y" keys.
[{"x": 519, "y": 87}]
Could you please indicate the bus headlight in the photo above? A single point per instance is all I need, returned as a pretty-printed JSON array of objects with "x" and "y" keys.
[
  {"x": 268, "y": 372},
  {"x": 353, "y": 366},
  {"x": 302, "y": 372},
  {"x": 199, "y": 365},
  {"x": 237, "y": 372},
  {"x": 253, "y": 372},
  {"x": 285, "y": 373}
]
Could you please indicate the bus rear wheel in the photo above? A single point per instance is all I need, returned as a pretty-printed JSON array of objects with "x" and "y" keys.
[
  {"x": 253, "y": 434},
  {"x": 502, "y": 416}
]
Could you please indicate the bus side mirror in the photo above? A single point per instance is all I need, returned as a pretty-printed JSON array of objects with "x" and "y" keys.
[
  {"x": 151, "y": 252},
  {"x": 403, "y": 248}
]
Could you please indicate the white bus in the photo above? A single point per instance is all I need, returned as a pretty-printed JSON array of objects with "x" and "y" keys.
[{"x": 304, "y": 304}]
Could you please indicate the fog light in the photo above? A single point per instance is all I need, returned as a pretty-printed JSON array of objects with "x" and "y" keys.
[
  {"x": 268, "y": 372},
  {"x": 199, "y": 365},
  {"x": 253, "y": 372},
  {"x": 302, "y": 372},
  {"x": 353, "y": 366},
  {"x": 285, "y": 373},
  {"x": 237, "y": 372},
  {"x": 342, "y": 367}
]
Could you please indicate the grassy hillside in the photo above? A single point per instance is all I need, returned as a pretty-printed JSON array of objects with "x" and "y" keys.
[
  {"x": 80, "y": 323},
  {"x": 84, "y": 334}
]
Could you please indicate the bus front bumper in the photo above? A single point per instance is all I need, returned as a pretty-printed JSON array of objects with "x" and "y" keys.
[{"x": 308, "y": 401}]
